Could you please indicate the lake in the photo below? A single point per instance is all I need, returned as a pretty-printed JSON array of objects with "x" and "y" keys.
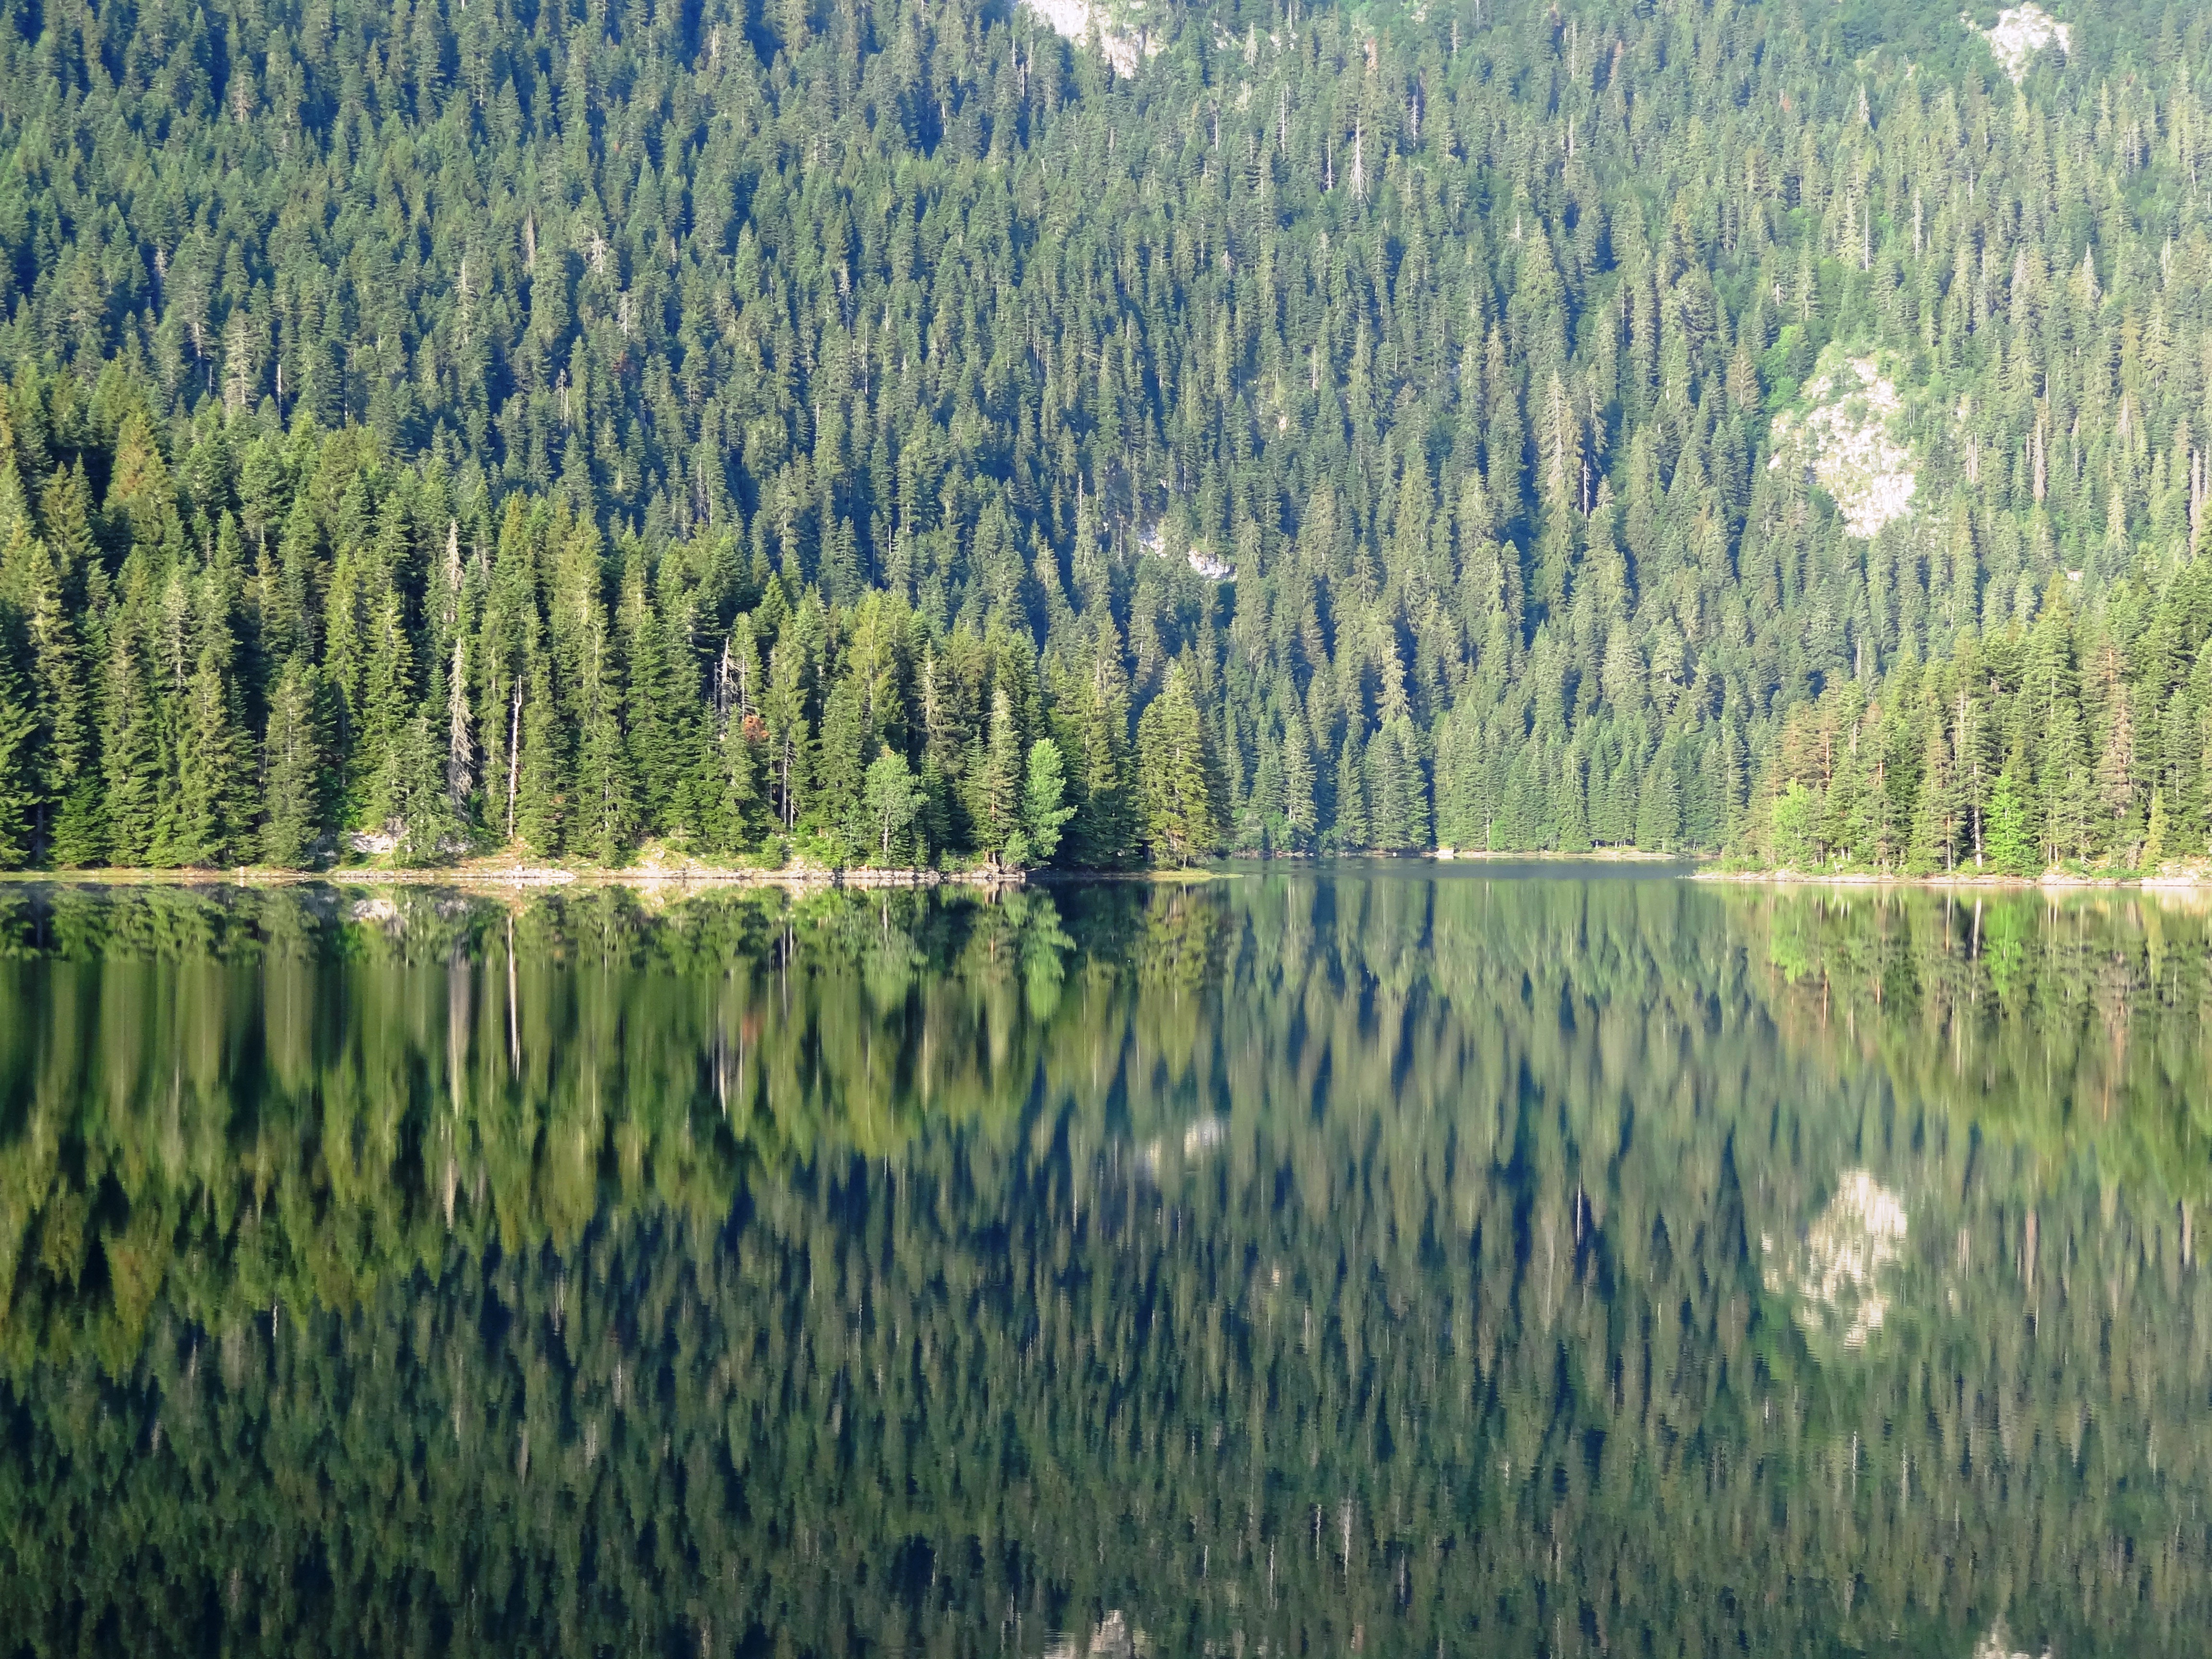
[{"x": 1380, "y": 1259}]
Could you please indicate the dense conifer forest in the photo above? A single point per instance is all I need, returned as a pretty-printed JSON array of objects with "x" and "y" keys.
[
  {"x": 1324, "y": 1265},
  {"x": 876, "y": 431}
]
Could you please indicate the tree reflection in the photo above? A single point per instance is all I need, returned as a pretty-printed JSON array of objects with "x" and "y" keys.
[{"x": 1291, "y": 1262}]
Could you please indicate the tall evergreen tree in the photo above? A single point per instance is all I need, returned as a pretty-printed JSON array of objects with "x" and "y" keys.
[
  {"x": 1175, "y": 773},
  {"x": 294, "y": 776}
]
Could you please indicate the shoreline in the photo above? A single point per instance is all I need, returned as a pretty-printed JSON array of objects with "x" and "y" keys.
[
  {"x": 523, "y": 875},
  {"x": 1595, "y": 856},
  {"x": 2056, "y": 881},
  {"x": 514, "y": 875}
]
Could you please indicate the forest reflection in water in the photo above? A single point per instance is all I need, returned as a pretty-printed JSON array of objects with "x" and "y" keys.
[{"x": 1303, "y": 1262}]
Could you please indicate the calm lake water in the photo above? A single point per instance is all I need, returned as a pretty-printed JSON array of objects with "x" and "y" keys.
[{"x": 1362, "y": 1260}]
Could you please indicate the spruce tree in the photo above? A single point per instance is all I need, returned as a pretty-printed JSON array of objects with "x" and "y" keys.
[
  {"x": 1574, "y": 818},
  {"x": 1659, "y": 803},
  {"x": 67, "y": 786},
  {"x": 891, "y": 801},
  {"x": 210, "y": 816},
  {"x": 996, "y": 805},
  {"x": 422, "y": 822},
  {"x": 132, "y": 762},
  {"x": 840, "y": 764},
  {"x": 1043, "y": 811},
  {"x": 1300, "y": 817},
  {"x": 542, "y": 801},
  {"x": 2153, "y": 852},
  {"x": 2011, "y": 842},
  {"x": 294, "y": 781},
  {"x": 19, "y": 729},
  {"x": 1104, "y": 832},
  {"x": 1174, "y": 774},
  {"x": 1353, "y": 834},
  {"x": 605, "y": 815}
]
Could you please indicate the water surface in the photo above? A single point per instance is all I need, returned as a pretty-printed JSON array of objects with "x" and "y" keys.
[{"x": 1355, "y": 1259}]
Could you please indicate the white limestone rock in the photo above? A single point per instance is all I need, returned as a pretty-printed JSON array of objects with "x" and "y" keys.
[
  {"x": 1850, "y": 440},
  {"x": 2020, "y": 33},
  {"x": 1123, "y": 35}
]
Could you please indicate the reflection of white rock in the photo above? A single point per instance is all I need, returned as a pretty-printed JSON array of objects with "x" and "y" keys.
[
  {"x": 2019, "y": 34},
  {"x": 1998, "y": 1645},
  {"x": 1835, "y": 1278},
  {"x": 1121, "y": 34},
  {"x": 1203, "y": 1136},
  {"x": 1111, "y": 1638},
  {"x": 1847, "y": 442}
]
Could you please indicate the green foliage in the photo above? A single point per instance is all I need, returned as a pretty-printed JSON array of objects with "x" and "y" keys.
[
  {"x": 296, "y": 790},
  {"x": 2011, "y": 845},
  {"x": 892, "y": 799},
  {"x": 1043, "y": 815},
  {"x": 1416, "y": 393},
  {"x": 1174, "y": 771},
  {"x": 1795, "y": 844},
  {"x": 19, "y": 725},
  {"x": 676, "y": 1249},
  {"x": 2021, "y": 748}
]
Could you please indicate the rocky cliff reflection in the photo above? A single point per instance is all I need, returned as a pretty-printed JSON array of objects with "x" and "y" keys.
[{"x": 1299, "y": 1263}]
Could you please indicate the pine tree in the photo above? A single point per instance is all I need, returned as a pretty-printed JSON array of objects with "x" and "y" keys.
[
  {"x": 67, "y": 786},
  {"x": 1300, "y": 817},
  {"x": 1044, "y": 814},
  {"x": 130, "y": 750},
  {"x": 1104, "y": 834},
  {"x": 1351, "y": 823},
  {"x": 542, "y": 799},
  {"x": 892, "y": 800},
  {"x": 2011, "y": 843},
  {"x": 209, "y": 817},
  {"x": 19, "y": 729},
  {"x": 1659, "y": 803},
  {"x": 2152, "y": 854},
  {"x": 997, "y": 802},
  {"x": 294, "y": 785},
  {"x": 1174, "y": 773}
]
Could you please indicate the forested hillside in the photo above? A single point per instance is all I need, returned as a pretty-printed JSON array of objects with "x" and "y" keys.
[
  {"x": 882, "y": 431},
  {"x": 2082, "y": 740}
]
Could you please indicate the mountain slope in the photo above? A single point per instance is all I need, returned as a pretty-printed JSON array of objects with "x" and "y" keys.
[{"x": 1394, "y": 389}]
